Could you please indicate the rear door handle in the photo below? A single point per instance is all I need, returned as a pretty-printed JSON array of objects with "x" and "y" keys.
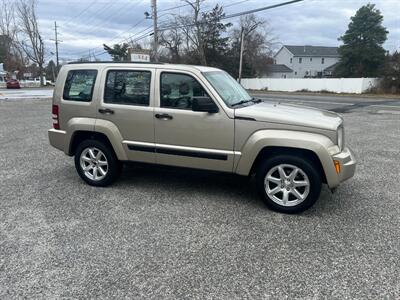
[
  {"x": 106, "y": 111},
  {"x": 164, "y": 116}
]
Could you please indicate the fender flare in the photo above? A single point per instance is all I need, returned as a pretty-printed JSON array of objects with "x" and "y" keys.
[{"x": 319, "y": 144}]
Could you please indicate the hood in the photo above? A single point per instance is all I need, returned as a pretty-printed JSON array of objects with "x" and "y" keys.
[{"x": 290, "y": 114}]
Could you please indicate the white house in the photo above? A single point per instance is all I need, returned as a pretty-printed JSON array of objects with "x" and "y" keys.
[{"x": 307, "y": 61}]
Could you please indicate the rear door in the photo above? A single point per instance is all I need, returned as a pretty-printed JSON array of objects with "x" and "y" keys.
[{"x": 127, "y": 102}]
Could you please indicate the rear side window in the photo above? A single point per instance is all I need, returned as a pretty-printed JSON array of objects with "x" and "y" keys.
[
  {"x": 79, "y": 85},
  {"x": 128, "y": 87}
]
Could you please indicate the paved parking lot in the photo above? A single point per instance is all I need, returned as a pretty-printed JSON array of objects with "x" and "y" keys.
[{"x": 162, "y": 233}]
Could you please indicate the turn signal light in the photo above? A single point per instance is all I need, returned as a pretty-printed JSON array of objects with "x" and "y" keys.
[{"x": 337, "y": 166}]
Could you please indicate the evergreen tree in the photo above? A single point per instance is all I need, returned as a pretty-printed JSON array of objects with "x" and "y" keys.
[{"x": 362, "y": 54}]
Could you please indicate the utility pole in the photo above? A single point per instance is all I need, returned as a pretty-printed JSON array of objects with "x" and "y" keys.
[
  {"x": 57, "y": 42},
  {"x": 241, "y": 54},
  {"x": 155, "y": 30}
]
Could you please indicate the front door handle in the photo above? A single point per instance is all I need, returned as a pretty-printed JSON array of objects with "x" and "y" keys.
[
  {"x": 106, "y": 111},
  {"x": 164, "y": 116}
]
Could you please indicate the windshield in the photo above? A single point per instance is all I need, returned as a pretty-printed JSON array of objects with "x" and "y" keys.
[{"x": 227, "y": 87}]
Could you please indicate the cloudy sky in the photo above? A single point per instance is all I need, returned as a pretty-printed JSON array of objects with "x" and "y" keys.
[{"x": 86, "y": 24}]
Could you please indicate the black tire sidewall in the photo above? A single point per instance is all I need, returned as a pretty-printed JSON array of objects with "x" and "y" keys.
[
  {"x": 314, "y": 176},
  {"x": 114, "y": 166}
]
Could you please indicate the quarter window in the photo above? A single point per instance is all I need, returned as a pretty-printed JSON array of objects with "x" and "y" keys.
[
  {"x": 128, "y": 87},
  {"x": 178, "y": 90},
  {"x": 79, "y": 85}
]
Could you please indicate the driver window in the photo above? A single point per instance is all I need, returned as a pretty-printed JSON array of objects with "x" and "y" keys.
[{"x": 178, "y": 90}]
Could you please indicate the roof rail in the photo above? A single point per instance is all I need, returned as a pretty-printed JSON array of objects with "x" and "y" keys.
[{"x": 115, "y": 62}]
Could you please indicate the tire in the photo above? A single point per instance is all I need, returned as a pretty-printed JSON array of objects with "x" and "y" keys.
[
  {"x": 302, "y": 187},
  {"x": 95, "y": 154}
]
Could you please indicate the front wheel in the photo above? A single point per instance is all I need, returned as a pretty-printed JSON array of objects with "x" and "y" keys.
[
  {"x": 96, "y": 163},
  {"x": 288, "y": 184}
]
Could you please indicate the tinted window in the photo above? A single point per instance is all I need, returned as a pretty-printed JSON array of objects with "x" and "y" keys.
[
  {"x": 79, "y": 85},
  {"x": 128, "y": 87},
  {"x": 178, "y": 90}
]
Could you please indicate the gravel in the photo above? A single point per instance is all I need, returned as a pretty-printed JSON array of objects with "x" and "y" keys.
[{"x": 174, "y": 233}]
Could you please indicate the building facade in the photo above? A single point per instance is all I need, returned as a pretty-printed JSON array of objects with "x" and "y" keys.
[{"x": 307, "y": 61}]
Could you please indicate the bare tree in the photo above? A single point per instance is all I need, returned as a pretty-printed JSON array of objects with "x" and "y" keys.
[
  {"x": 192, "y": 28},
  {"x": 172, "y": 40},
  {"x": 32, "y": 42}
]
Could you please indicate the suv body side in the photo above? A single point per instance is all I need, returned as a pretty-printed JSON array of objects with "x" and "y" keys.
[{"x": 189, "y": 139}]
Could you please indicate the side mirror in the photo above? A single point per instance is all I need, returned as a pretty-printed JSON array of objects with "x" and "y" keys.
[{"x": 204, "y": 104}]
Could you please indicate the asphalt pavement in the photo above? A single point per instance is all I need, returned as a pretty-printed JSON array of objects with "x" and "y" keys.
[
  {"x": 161, "y": 233},
  {"x": 337, "y": 103}
]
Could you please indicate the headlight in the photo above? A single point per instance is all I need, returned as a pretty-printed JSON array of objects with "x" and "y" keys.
[{"x": 340, "y": 137}]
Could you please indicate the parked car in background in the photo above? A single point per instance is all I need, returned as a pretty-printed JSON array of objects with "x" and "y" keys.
[
  {"x": 13, "y": 84},
  {"x": 105, "y": 114}
]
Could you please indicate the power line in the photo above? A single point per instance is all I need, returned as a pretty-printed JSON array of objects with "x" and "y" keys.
[
  {"x": 223, "y": 18},
  {"x": 83, "y": 11}
]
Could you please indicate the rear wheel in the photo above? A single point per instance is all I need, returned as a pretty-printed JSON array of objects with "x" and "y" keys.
[
  {"x": 288, "y": 184},
  {"x": 96, "y": 163}
]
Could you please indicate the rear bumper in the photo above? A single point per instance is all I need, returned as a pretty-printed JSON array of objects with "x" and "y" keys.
[
  {"x": 57, "y": 139},
  {"x": 347, "y": 163}
]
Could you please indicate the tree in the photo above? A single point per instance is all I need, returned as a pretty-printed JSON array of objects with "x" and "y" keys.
[
  {"x": 51, "y": 71},
  {"x": 172, "y": 40},
  {"x": 10, "y": 53},
  {"x": 214, "y": 42},
  {"x": 118, "y": 52},
  {"x": 32, "y": 42},
  {"x": 258, "y": 42},
  {"x": 391, "y": 74},
  {"x": 362, "y": 54}
]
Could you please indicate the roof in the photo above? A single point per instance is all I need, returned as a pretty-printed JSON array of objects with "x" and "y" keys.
[
  {"x": 312, "y": 50},
  {"x": 80, "y": 65},
  {"x": 277, "y": 68},
  {"x": 331, "y": 68}
]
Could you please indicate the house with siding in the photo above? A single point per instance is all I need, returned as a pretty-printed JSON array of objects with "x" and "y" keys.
[{"x": 307, "y": 61}]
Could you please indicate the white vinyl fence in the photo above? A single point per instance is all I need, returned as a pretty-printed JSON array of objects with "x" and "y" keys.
[{"x": 335, "y": 85}]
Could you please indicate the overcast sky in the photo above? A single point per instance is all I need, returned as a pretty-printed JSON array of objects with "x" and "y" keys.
[{"x": 86, "y": 24}]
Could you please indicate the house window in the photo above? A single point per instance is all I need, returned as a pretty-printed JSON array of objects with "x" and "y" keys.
[
  {"x": 295, "y": 73},
  {"x": 322, "y": 60},
  {"x": 310, "y": 58},
  {"x": 300, "y": 60},
  {"x": 291, "y": 60}
]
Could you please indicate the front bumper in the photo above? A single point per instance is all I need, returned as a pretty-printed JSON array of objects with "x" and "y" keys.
[
  {"x": 347, "y": 162},
  {"x": 57, "y": 139}
]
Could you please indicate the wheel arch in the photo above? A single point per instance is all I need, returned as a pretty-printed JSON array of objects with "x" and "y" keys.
[
  {"x": 82, "y": 135},
  {"x": 261, "y": 144},
  {"x": 271, "y": 151}
]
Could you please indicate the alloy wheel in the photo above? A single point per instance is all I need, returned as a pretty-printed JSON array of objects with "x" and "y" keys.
[
  {"x": 287, "y": 185},
  {"x": 94, "y": 163}
]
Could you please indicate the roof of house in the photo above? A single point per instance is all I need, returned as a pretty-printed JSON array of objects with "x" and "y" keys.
[
  {"x": 312, "y": 50},
  {"x": 277, "y": 68},
  {"x": 331, "y": 68}
]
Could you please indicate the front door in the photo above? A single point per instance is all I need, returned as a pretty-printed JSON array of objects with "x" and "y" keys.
[
  {"x": 186, "y": 138},
  {"x": 127, "y": 107}
]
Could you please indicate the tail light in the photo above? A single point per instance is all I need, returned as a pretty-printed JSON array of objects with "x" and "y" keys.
[{"x": 56, "y": 121}]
